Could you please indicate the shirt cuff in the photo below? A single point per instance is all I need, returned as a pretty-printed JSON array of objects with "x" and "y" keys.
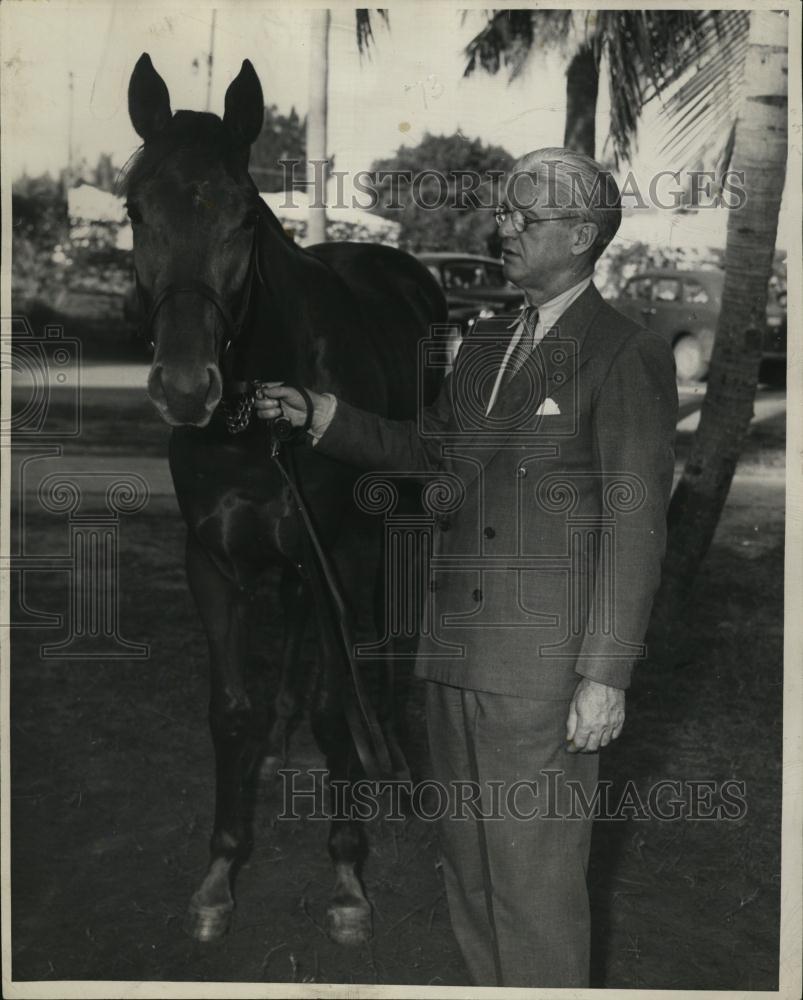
[{"x": 322, "y": 417}]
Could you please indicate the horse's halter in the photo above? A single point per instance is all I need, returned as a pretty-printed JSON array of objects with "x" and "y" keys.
[{"x": 232, "y": 325}]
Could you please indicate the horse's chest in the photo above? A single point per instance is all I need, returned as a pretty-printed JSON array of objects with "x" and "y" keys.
[
  {"x": 252, "y": 531},
  {"x": 240, "y": 510}
]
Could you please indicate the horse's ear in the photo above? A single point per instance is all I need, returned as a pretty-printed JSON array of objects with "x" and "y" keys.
[
  {"x": 148, "y": 99},
  {"x": 244, "y": 108}
]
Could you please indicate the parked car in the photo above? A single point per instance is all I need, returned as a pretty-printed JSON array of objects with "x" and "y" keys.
[
  {"x": 475, "y": 286},
  {"x": 683, "y": 307}
]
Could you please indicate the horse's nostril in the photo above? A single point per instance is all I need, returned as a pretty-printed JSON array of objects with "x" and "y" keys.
[
  {"x": 215, "y": 387},
  {"x": 185, "y": 397},
  {"x": 155, "y": 388}
]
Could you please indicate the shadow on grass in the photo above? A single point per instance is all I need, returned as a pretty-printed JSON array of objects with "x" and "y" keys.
[
  {"x": 108, "y": 340},
  {"x": 674, "y": 903}
]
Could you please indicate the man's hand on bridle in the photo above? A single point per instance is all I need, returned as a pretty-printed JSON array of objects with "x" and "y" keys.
[
  {"x": 275, "y": 399},
  {"x": 596, "y": 716}
]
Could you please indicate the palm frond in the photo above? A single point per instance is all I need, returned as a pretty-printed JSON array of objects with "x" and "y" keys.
[
  {"x": 509, "y": 37},
  {"x": 648, "y": 51},
  {"x": 698, "y": 115},
  {"x": 618, "y": 37},
  {"x": 364, "y": 28},
  {"x": 692, "y": 60}
]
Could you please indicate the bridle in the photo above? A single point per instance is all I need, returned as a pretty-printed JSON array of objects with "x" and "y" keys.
[
  {"x": 237, "y": 403},
  {"x": 232, "y": 324}
]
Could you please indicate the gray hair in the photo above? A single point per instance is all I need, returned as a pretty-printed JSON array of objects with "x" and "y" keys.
[{"x": 575, "y": 182}]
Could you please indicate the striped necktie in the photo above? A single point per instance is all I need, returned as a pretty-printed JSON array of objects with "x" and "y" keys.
[{"x": 524, "y": 347}]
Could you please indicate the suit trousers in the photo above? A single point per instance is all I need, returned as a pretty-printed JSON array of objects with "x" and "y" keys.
[{"x": 515, "y": 840}]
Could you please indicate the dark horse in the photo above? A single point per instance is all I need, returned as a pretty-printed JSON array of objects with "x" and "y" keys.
[{"x": 230, "y": 297}]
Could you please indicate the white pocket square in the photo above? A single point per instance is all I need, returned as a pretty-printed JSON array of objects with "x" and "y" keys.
[{"x": 548, "y": 408}]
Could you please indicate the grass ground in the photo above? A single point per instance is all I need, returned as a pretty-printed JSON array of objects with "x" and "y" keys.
[{"x": 112, "y": 782}]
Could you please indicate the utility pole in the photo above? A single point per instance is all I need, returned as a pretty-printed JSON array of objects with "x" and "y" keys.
[
  {"x": 316, "y": 124},
  {"x": 68, "y": 179},
  {"x": 209, "y": 61}
]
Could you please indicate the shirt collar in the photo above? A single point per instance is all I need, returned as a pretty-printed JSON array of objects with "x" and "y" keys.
[{"x": 550, "y": 312}]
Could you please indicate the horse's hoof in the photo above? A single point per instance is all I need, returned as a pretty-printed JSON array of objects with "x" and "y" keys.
[
  {"x": 349, "y": 924},
  {"x": 207, "y": 923}
]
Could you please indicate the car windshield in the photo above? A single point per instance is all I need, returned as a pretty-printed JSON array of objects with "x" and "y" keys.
[
  {"x": 495, "y": 277},
  {"x": 639, "y": 288},
  {"x": 666, "y": 290},
  {"x": 465, "y": 274},
  {"x": 693, "y": 292}
]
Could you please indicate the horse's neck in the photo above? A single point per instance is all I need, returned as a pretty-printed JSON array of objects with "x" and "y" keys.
[{"x": 284, "y": 327}]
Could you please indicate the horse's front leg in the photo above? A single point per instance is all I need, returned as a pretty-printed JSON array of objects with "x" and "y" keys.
[
  {"x": 233, "y": 722},
  {"x": 289, "y": 700}
]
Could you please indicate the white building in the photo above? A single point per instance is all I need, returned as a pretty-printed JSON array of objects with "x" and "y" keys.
[
  {"x": 291, "y": 208},
  {"x": 98, "y": 217}
]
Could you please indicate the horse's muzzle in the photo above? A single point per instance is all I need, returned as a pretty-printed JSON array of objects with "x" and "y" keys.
[{"x": 183, "y": 398}]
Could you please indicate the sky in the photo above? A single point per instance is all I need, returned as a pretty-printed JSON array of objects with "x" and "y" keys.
[{"x": 409, "y": 84}]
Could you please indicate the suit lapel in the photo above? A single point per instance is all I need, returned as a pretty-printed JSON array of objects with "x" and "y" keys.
[
  {"x": 554, "y": 363},
  {"x": 478, "y": 362}
]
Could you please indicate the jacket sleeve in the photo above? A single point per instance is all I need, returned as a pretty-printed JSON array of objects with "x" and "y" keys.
[
  {"x": 634, "y": 421},
  {"x": 371, "y": 442}
]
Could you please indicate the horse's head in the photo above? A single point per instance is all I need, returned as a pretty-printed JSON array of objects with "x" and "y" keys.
[{"x": 194, "y": 211}]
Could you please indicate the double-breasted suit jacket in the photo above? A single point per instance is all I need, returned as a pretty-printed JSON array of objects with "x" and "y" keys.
[{"x": 547, "y": 558}]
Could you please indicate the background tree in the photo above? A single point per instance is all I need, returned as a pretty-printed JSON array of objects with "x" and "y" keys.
[
  {"x": 646, "y": 52},
  {"x": 282, "y": 138},
  {"x": 760, "y": 152},
  {"x": 104, "y": 173},
  {"x": 458, "y": 224},
  {"x": 39, "y": 213},
  {"x": 39, "y": 208}
]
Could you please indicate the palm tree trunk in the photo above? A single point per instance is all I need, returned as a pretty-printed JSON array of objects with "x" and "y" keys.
[
  {"x": 582, "y": 87},
  {"x": 760, "y": 151},
  {"x": 316, "y": 124}
]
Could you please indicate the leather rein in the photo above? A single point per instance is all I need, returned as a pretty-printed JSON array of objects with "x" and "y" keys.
[{"x": 364, "y": 726}]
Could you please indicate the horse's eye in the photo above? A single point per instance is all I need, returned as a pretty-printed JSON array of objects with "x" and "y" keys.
[
  {"x": 251, "y": 218},
  {"x": 133, "y": 212}
]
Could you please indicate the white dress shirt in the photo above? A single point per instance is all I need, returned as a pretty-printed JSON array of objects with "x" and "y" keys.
[{"x": 548, "y": 315}]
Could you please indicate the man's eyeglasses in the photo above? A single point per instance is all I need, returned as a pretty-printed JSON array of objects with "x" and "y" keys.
[{"x": 520, "y": 220}]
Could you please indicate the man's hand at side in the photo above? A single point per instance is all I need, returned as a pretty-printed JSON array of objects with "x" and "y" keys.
[{"x": 596, "y": 716}]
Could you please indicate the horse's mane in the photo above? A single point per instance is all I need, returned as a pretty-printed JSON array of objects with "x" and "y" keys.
[{"x": 199, "y": 132}]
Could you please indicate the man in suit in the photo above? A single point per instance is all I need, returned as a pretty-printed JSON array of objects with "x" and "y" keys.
[{"x": 557, "y": 434}]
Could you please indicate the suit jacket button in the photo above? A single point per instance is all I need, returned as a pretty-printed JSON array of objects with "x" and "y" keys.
[
  {"x": 477, "y": 595},
  {"x": 489, "y": 533},
  {"x": 521, "y": 472}
]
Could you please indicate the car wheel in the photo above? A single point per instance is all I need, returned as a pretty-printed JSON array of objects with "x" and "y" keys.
[{"x": 689, "y": 360}]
